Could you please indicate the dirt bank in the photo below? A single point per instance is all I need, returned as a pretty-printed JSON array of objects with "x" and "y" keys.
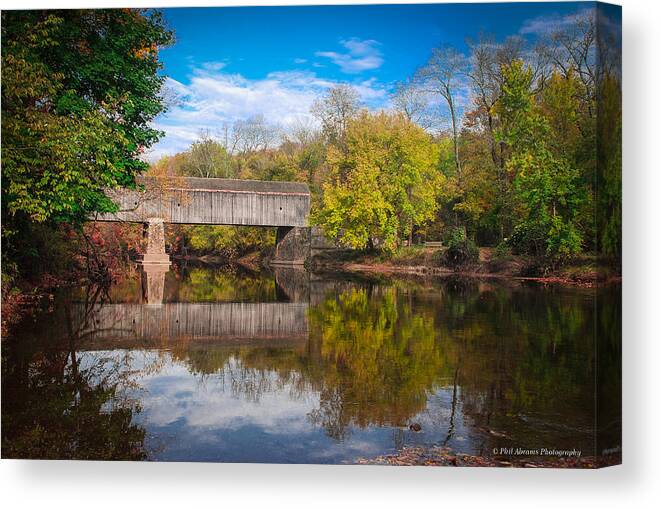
[
  {"x": 584, "y": 271},
  {"x": 442, "y": 456}
]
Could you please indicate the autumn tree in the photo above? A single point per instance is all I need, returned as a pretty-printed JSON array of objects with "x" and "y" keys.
[
  {"x": 441, "y": 75},
  {"x": 207, "y": 158},
  {"x": 382, "y": 185},
  {"x": 251, "y": 135},
  {"x": 410, "y": 100}
]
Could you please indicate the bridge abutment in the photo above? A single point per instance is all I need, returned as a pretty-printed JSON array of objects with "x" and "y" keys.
[{"x": 292, "y": 246}]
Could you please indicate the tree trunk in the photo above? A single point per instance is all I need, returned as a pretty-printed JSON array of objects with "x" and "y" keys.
[{"x": 455, "y": 140}]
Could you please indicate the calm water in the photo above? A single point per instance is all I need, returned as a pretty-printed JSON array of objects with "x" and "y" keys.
[{"x": 222, "y": 364}]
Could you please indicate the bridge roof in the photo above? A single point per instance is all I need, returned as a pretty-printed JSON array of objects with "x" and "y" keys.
[{"x": 229, "y": 185}]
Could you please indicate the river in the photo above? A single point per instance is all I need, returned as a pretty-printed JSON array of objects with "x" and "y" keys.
[{"x": 226, "y": 364}]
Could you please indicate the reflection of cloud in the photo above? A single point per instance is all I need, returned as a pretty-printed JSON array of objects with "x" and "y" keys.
[
  {"x": 215, "y": 98},
  {"x": 360, "y": 55},
  {"x": 176, "y": 396},
  {"x": 355, "y": 447},
  {"x": 192, "y": 417}
]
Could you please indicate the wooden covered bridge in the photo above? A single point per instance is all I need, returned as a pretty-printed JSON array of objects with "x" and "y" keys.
[{"x": 210, "y": 201}]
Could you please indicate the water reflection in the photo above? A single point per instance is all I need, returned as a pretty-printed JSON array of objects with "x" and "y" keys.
[
  {"x": 283, "y": 367},
  {"x": 61, "y": 403}
]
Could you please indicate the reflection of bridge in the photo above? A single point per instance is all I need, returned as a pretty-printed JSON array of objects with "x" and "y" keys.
[
  {"x": 156, "y": 323},
  {"x": 285, "y": 205},
  {"x": 132, "y": 323}
]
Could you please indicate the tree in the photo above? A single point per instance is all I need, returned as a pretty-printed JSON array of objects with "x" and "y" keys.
[
  {"x": 383, "y": 184},
  {"x": 441, "y": 76},
  {"x": 413, "y": 103},
  {"x": 80, "y": 88},
  {"x": 252, "y": 135},
  {"x": 571, "y": 48},
  {"x": 335, "y": 110},
  {"x": 546, "y": 184},
  {"x": 486, "y": 61},
  {"x": 207, "y": 158},
  {"x": 609, "y": 169}
]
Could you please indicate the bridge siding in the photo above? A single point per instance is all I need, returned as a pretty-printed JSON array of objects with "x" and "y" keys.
[
  {"x": 174, "y": 321},
  {"x": 214, "y": 206}
]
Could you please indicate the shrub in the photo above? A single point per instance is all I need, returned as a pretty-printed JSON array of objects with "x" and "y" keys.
[
  {"x": 564, "y": 241},
  {"x": 502, "y": 252},
  {"x": 556, "y": 240},
  {"x": 408, "y": 256},
  {"x": 460, "y": 250},
  {"x": 529, "y": 238},
  {"x": 535, "y": 267},
  {"x": 438, "y": 257}
]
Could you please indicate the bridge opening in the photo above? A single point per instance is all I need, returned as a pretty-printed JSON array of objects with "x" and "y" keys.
[{"x": 220, "y": 243}]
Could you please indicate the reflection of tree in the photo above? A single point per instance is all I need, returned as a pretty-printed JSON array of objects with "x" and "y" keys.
[
  {"x": 609, "y": 368},
  {"x": 204, "y": 285},
  {"x": 526, "y": 362},
  {"x": 371, "y": 357},
  {"x": 226, "y": 283},
  {"x": 59, "y": 404},
  {"x": 513, "y": 359},
  {"x": 248, "y": 371},
  {"x": 381, "y": 359}
]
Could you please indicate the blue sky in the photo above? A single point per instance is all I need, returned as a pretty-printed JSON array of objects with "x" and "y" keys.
[{"x": 235, "y": 62}]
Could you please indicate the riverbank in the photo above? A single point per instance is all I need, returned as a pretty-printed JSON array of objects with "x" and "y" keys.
[
  {"x": 443, "y": 456},
  {"x": 21, "y": 300},
  {"x": 17, "y": 301},
  {"x": 423, "y": 262}
]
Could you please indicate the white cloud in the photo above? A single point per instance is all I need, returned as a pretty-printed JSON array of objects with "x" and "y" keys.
[
  {"x": 300, "y": 60},
  {"x": 213, "y": 66},
  {"x": 361, "y": 55},
  {"x": 214, "y": 98},
  {"x": 547, "y": 24}
]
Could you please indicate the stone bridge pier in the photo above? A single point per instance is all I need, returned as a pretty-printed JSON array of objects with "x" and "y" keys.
[{"x": 154, "y": 243}]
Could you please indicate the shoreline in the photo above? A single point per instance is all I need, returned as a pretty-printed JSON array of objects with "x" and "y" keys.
[
  {"x": 572, "y": 275},
  {"x": 440, "y": 456}
]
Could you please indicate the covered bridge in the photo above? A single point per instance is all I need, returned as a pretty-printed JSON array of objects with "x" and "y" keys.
[{"x": 211, "y": 201}]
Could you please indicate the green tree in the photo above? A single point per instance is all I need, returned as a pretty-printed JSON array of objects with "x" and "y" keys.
[
  {"x": 609, "y": 169},
  {"x": 547, "y": 194},
  {"x": 384, "y": 184},
  {"x": 79, "y": 91},
  {"x": 229, "y": 241}
]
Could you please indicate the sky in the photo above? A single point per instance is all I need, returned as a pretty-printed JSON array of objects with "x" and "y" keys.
[{"x": 232, "y": 63}]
